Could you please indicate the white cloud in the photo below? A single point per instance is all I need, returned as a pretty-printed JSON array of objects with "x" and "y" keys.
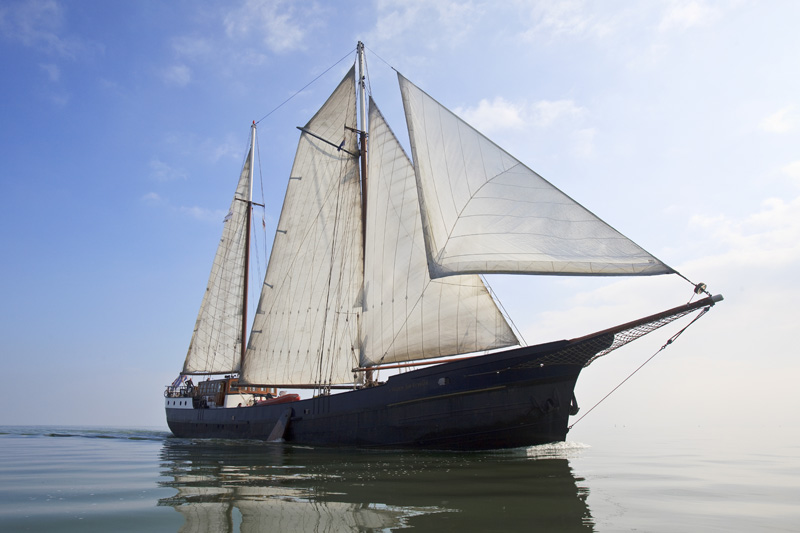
[
  {"x": 500, "y": 117},
  {"x": 782, "y": 121},
  {"x": 52, "y": 71},
  {"x": 163, "y": 172},
  {"x": 178, "y": 75},
  {"x": 39, "y": 24},
  {"x": 192, "y": 47},
  {"x": 792, "y": 170},
  {"x": 282, "y": 25},
  {"x": 564, "y": 18},
  {"x": 501, "y": 114},
  {"x": 59, "y": 99},
  {"x": 547, "y": 112},
  {"x": 682, "y": 14},
  {"x": 765, "y": 240},
  {"x": 152, "y": 198},
  {"x": 559, "y": 18},
  {"x": 229, "y": 148},
  {"x": 493, "y": 116},
  {"x": 394, "y": 19},
  {"x": 201, "y": 213},
  {"x": 442, "y": 22}
]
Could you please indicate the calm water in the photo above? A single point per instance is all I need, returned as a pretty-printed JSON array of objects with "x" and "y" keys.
[{"x": 74, "y": 479}]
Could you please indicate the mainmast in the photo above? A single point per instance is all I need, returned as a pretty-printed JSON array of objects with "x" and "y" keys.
[
  {"x": 362, "y": 137},
  {"x": 247, "y": 242},
  {"x": 363, "y": 149}
]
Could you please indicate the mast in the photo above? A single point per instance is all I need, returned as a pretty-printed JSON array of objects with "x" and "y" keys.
[
  {"x": 362, "y": 138},
  {"x": 247, "y": 243}
]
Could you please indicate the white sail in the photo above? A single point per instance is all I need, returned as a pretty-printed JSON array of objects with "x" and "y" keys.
[
  {"x": 216, "y": 344},
  {"x": 484, "y": 211},
  {"x": 306, "y": 326},
  {"x": 407, "y": 315}
]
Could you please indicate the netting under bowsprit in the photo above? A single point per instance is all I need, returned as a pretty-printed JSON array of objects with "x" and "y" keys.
[{"x": 583, "y": 351}]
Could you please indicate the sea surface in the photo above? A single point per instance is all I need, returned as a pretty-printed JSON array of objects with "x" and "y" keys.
[{"x": 60, "y": 479}]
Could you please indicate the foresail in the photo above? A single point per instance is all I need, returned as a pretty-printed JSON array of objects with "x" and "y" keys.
[
  {"x": 407, "y": 315},
  {"x": 216, "y": 344},
  {"x": 485, "y": 212},
  {"x": 306, "y": 326}
]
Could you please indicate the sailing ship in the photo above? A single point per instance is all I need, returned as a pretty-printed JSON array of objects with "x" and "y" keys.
[{"x": 376, "y": 267}]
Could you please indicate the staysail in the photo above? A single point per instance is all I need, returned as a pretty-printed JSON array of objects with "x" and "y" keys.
[
  {"x": 407, "y": 315},
  {"x": 306, "y": 325},
  {"x": 485, "y": 212},
  {"x": 216, "y": 344}
]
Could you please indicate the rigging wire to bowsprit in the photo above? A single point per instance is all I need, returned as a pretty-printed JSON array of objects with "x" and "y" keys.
[{"x": 669, "y": 342}]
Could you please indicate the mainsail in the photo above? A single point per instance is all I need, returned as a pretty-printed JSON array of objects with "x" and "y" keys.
[
  {"x": 485, "y": 212},
  {"x": 216, "y": 344},
  {"x": 306, "y": 326},
  {"x": 407, "y": 315}
]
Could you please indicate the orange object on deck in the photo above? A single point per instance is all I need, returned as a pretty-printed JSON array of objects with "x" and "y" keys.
[{"x": 286, "y": 398}]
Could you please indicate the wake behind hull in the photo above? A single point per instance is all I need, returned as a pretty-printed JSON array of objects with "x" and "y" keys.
[{"x": 500, "y": 400}]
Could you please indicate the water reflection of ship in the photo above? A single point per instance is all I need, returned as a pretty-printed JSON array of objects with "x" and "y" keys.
[{"x": 246, "y": 487}]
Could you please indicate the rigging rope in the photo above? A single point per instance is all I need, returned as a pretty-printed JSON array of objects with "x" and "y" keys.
[
  {"x": 305, "y": 86},
  {"x": 379, "y": 57},
  {"x": 669, "y": 341}
]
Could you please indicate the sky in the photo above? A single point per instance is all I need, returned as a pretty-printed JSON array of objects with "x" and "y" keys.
[{"x": 125, "y": 124}]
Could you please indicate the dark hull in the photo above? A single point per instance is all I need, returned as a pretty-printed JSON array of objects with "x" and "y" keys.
[
  {"x": 500, "y": 400},
  {"x": 518, "y": 397}
]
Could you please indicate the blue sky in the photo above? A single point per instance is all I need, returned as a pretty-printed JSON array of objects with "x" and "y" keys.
[{"x": 124, "y": 126}]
